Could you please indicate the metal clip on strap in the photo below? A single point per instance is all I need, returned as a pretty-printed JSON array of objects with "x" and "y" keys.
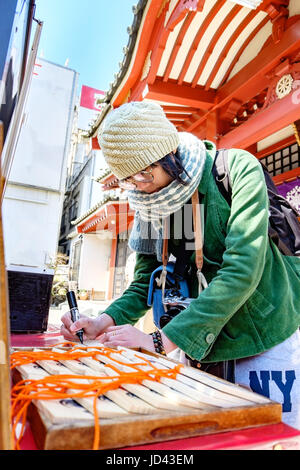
[
  {"x": 163, "y": 278},
  {"x": 202, "y": 284}
]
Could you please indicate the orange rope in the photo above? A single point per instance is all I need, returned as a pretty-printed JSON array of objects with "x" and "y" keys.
[{"x": 56, "y": 387}]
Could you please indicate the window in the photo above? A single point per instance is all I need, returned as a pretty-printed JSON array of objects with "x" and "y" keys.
[
  {"x": 63, "y": 224},
  {"x": 283, "y": 160},
  {"x": 73, "y": 210}
]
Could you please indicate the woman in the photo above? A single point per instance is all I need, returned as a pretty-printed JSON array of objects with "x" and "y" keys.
[{"x": 250, "y": 310}]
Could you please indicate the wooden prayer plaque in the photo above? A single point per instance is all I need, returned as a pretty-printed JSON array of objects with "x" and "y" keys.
[{"x": 202, "y": 404}]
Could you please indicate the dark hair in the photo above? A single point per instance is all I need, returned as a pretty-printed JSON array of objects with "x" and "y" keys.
[{"x": 172, "y": 165}]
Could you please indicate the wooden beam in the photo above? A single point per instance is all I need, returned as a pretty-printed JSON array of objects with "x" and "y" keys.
[
  {"x": 277, "y": 146},
  {"x": 177, "y": 117},
  {"x": 112, "y": 266},
  {"x": 252, "y": 76},
  {"x": 277, "y": 116},
  {"x": 5, "y": 426},
  {"x": 181, "y": 9},
  {"x": 243, "y": 47},
  {"x": 194, "y": 46},
  {"x": 161, "y": 33},
  {"x": 252, "y": 79},
  {"x": 212, "y": 127},
  {"x": 227, "y": 48},
  {"x": 95, "y": 143},
  {"x": 139, "y": 55},
  {"x": 178, "y": 109},
  {"x": 211, "y": 46},
  {"x": 158, "y": 40},
  {"x": 287, "y": 176},
  {"x": 252, "y": 149},
  {"x": 177, "y": 45},
  {"x": 180, "y": 94}
]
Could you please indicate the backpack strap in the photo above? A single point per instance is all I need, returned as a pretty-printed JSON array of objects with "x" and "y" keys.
[
  {"x": 198, "y": 247},
  {"x": 283, "y": 223},
  {"x": 221, "y": 174},
  {"x": 202, "y": 284}
]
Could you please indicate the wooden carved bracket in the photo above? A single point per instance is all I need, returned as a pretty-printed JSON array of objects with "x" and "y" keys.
[
  {"x": 229, "y": 112},
  {"x": 285, "y": 80},
  {"x": 183, "y": 7},
  {"x": 279, "y": 13},
  {"x": 236, "y": 112}
]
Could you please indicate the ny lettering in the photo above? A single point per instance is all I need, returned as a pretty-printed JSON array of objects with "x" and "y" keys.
[{"x": 263, "y": 386}]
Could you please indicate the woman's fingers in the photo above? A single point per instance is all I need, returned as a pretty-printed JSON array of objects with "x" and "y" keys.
[
  {"x": 80, "y": 324},
  {"x": 127, "y": 336},
  {"x": 118, "y": 328},
  {"x": 66, "y": 319},
  {"x": 67, "y": 334},
  {"x": 68, "y": 328}
]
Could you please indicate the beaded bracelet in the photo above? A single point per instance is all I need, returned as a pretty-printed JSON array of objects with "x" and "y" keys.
[{"x": 158, "y": 344}]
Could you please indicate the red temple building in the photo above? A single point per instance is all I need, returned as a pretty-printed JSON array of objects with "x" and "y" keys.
[{"x": 227, "y": 71}]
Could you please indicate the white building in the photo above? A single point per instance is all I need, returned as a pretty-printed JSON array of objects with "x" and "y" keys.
[
  {"x": 34, "y": 194},
  {"x": 89, "y": 253}
]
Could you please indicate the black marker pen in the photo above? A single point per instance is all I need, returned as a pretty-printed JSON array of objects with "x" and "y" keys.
[{"x": 74, "y": 312}]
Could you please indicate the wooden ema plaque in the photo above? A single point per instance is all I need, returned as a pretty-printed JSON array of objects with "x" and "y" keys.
[{"x": 195, "y": 403}]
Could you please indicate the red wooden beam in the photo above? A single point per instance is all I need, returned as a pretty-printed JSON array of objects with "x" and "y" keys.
[
  {"x": 112, "y": 265},
  {"x": 113, "y": 217},
  {"x": 251, "y": 80},
  {"x": 178, "y": 109},
  {"x": 155, "y": 46},
  {"x": 277, "y": 146},
  {"x": 290, "y": 175},
  {"x": 212, "y": 127},
  {"x": 180, "y": 94},
  {"x": 210, "y": 48},
  {"x": 209, "y": 18},
  {"x": 140, "y": 53},
  {"x": 182, "y": 7},
  {"x": 158, "y": 40},
  {"x": 178, "y": 44},
  {"x": 254, "y": 72},
  {"x": 111, "y": 178},
  {"x": 161, "y": 31},
  {"x": 228, "y": 46},
  {"x": 277, "y": 116},
  {"x": 177, "y": 116},
  {"x": 95, "y": 143},
  {"x": 243, "y": 47}
]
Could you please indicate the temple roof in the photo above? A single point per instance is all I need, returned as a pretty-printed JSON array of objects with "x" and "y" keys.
[{"x": 209, "y": 60}]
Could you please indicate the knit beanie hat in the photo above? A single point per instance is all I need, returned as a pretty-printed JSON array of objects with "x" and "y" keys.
[{"x": 135, "y": 135}]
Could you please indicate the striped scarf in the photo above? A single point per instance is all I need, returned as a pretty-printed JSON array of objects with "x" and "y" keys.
[{"x": 152, "y": 209}]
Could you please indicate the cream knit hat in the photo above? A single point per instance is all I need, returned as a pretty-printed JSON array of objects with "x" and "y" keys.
[{"x": 135, "y": 135}]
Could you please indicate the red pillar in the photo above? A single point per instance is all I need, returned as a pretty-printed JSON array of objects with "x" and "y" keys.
[{"x": 112, "y": 266}]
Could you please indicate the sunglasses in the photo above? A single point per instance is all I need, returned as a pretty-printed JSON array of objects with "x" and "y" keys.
[{"x": 144, "y": 176}]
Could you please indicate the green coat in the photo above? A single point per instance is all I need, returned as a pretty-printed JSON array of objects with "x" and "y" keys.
[{"x": 252, "y": 301}]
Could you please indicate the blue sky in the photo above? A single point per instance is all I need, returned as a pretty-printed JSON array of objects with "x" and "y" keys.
[{"x": 90, "y": 34}]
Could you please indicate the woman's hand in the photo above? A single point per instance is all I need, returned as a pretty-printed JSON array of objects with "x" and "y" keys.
[
  {"x": 131, "y": 337},
  {"x": 127, "y": 336},
  {"x": 92, "y": 327}
]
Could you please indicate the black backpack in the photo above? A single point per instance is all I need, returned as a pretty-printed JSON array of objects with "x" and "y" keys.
[{"x": 284, "y": 227}]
